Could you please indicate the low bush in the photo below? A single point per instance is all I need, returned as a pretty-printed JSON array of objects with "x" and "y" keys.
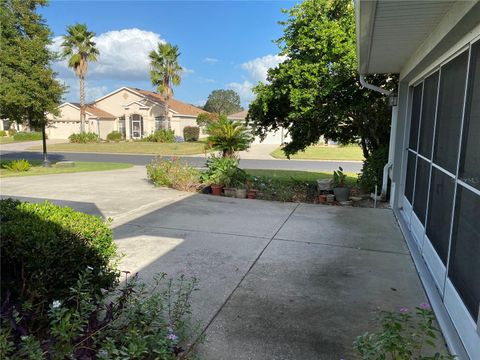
[
  {"x": 45, "y": 248},
  {"x": 173, "y": 174},
  {"x": 191, "y": 133},
  {"x": 161, "y": 136},
  {"x": 404, "y": 335},
  {"x": 223, "y": 171},
  {"x": 291, "y": 190},
  {"x": 17, "y": 165},
  {"x": 84, "y": 138},
  {"x": 33, "y": 135},
  {"x": 115, "y": 136},
  {"x": 12, "y": 131},
  {"x": 3, "y": 133},
  {"x": 134, "y": 321},
  {"x": 372, "y": 170}
]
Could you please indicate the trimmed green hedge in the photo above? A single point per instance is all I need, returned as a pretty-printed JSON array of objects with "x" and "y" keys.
[
  {"x": 161, "y": 136},
  {"x": 84, "y": 138},
  {"x": 46, "y": 247},
  {"x": 115, "y": 136},
  {"x": 191, "y": 133}
]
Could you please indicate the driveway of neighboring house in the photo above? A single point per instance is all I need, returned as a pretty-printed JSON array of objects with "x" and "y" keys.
[
  {"x": 277, "y": 280},
  {"x": 24, "y": 145}
]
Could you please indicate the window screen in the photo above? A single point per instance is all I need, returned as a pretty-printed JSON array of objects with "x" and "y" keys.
[
  {"x": 449, "y": 113},
  {"x": 470, "y": 159},
  {"x": 440, "y": 207},
  {"x": 427, "y": 123},
  {"x": 464, "y": 269},
  {"x": 415, "y": 119},
  {"x": 409, "y": 181},
  {"x": 421, "y": 189}
]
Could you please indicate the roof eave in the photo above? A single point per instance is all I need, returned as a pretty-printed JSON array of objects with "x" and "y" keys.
[{"x": 365, "y": 20}]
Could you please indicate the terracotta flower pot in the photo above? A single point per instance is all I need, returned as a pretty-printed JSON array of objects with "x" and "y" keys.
[
  {"x": 252, "y": 194},
  {"x": 322, "y": 198},
  {"x": 216, "y": 190}
]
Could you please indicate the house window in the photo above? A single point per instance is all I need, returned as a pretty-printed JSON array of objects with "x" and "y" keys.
[
  {"x": 160, "y": 123},
  {"x": 121, "y": 125}
]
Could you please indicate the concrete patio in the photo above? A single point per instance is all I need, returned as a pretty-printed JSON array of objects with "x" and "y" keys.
[{"x": 277, "y": 280}]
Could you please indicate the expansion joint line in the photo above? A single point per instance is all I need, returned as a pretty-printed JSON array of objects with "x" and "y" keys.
[{"x": 241, "y": 280}]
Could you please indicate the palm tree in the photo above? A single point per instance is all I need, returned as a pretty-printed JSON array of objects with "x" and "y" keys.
[
  {"x": 165, "y": 71},
  {"x": 228, "y": 136},
  {"x": 79, "y": 47}
]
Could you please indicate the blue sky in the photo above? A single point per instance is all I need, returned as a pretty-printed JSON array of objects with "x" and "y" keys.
[{"x": 223, "y": 44}]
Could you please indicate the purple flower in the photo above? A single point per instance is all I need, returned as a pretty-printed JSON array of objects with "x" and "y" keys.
[
  {"x": 172, "y": 337},
  {"x": 403, "y": 310},
  {"x": 424, "y": 306}
]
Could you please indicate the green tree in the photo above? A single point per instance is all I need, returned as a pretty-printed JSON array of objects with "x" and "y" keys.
[
  {"x": 223, "y": 102},
  {"x": 28, "y": 89},
  {"x": 316, "y": 90},
  {"x": 165, "y": 71},
  {"x": 228, "y": 136},
  {"x": 79, "y": 47},
  {"x": 204, "y": 118}
]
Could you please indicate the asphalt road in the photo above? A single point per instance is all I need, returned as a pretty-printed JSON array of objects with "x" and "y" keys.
[{"x": 320, "y": 166}]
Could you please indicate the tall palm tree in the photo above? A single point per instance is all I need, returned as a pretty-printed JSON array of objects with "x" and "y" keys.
[
  {"x": 165, "y": 71},
  {"x": 79, "y": 48}
]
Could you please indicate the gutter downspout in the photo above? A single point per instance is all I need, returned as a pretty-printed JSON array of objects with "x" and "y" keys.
[{"x": 389, "y": 164}]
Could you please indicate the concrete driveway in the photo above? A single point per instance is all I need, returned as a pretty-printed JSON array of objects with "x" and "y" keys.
[{"x": 277, "y": 280}]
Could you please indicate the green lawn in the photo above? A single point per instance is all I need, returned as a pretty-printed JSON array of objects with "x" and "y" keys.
[
  {"x": 9, "y": 140},
  {"x": 307, "y": 176},
  {"x": 37, "y": 169},
  {"x": 137, "y": 147},
  {"x": 322, "y": 152}
]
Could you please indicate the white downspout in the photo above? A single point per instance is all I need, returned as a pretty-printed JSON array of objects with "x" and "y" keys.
[{"x": 389, "y": 164}]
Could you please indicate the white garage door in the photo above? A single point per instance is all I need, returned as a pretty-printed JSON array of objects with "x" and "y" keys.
[
  {"x": 274, "y": 137},
  {"x": 63, "y": 129}
]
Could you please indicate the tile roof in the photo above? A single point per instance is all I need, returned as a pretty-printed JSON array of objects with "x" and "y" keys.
[
  {"x": 176, "y": 105},
  {"x": 239, "y": 115},
  {"x": 95, "y": 111}
]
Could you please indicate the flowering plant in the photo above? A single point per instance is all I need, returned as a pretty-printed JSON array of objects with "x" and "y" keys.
[
  {"x": 404, "y": 335},
  {"x": 134, "y": 321}
]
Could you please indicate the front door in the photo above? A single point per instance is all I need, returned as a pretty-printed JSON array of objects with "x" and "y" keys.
[{"x": 136, "y": 126}]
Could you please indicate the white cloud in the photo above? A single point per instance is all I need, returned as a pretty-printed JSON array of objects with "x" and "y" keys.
[
  {"x": 210, "y": 60},
  {"x": 123, "y": 55},
  {"x": 244, "y": 89},
  {"x": 257, "y": 68},
  {"x": 256, "y": 71}
]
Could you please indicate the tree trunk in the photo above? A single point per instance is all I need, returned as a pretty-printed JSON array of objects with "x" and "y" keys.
[
  {"x": 46, "y": 163},
  {"x": 167, "y": 120},
  {"x": 82, "y": 104}
]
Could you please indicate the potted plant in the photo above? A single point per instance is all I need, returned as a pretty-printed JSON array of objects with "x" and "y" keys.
[
  {"x": 241, "y": 191},
  {"x": 215, "y": 184},
  {"x": 341, "y": 191}
]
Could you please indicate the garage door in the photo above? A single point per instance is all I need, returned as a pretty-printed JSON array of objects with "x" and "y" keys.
[
  {"x": 63, "y": 129},
  {"x": 274, "y": 137}
]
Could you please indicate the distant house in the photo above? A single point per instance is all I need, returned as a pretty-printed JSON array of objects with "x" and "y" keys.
[
  {"x": 434, "y": 161},
  {"x": 134, "y": 112},
  {"x": 273, "y": 137}
]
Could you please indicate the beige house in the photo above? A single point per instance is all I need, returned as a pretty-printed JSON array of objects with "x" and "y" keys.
[{"x": 134, "y": 112}]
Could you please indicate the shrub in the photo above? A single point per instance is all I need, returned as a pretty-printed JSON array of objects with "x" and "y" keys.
[
  {"x": 84, "y": 138},
  {"x": 161, "y": 136},
  {"x": 135, "y": 321},
  {"x": 17, "y": 165},
  {"x": 403, "y": 335},
  {"x": 12, "y": 131},
  {"x": 45, "y": 247},
  {"x": 223, "y": 171},
  {"x": 228, "y": 136},
  {"x": 33, "y": 135},
  {"x": 287, "y": 190},
  {"x": 191, "y": 133},
  {"x": 3, "y": 133},
  {"x": 173, "y": 174},
  {"x": 115, "y": 136},
  {"x": 372, "y": 170}
]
